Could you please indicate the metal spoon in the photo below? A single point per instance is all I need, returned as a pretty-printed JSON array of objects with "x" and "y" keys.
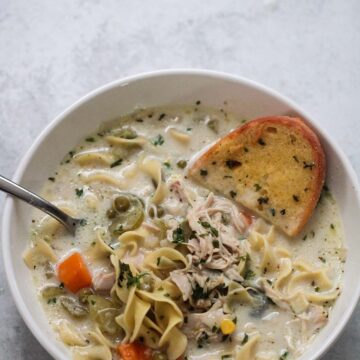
[{"x": 25, "y": 195}]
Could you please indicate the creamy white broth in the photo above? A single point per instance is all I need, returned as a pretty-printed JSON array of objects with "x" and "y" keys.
[{"x": 80, "y": 186}]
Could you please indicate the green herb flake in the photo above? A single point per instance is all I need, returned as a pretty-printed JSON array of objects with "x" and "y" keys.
[
  {"x": 296, "y": 198},
  {"x": 216, "y": 243},
  {"x": 322, "y": 259},
  {"x": 206, "y": 225},
  {"x": 284, "y": 355},
  {"x": 283, "y": 211},
  {"x": 203, "y": 172},
  {"x": 126, "y": 274},
  {"x": 167, "y": 164},
  {"x": 249, "y": 274},
  {"x": 263, "y": 200},
  {"x": 332, "y": 226},
  {"x": 51, "y": 179},
  {"x": 257, "y": 187},
  {"x": 158, "y": 140},
  {"x": 116, "y": 163},
  {"x": 261, "y": 142},
  {"x": 232, "y": 164},
  {"x": 161, "y": 116},
  {"x": 308, "y": 165},
  {"x": 79, "y": 192},
  {"x": 178, "y": 236},
  {"x": 181, "y": 164},
  {"x": 90, "y": 139},
  {"x": 233, "y": 193},
  {"x": 227, "y": 356},
  {"x": 245, "y": 339},
  {"x": 273, "y": 211}
]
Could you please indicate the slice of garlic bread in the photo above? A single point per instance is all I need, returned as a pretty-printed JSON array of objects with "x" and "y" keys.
[{"x": 274, "y": 166}]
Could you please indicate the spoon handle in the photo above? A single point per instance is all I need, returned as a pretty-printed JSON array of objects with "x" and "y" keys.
[{"x": 25, "y": 195}]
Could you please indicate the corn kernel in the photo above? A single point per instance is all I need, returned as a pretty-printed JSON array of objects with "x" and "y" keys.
[{"x": 227, "y": 326}]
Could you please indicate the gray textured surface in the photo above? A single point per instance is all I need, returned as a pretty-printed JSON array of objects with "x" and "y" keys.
[{"x": 53, "y": 52}]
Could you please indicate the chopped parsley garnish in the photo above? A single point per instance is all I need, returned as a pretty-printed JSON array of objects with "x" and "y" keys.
[
  {"x": 203, "y": 172},
  {"x": 295, "y": 158},
  {"x": 178, "y": 236},
  {"x": 233, "y": 193},
  {"x": 261, "y": 142},
  {"x": 206, "y": 225},
  {"x": 181, "y": 164},
  {"x": 296, "y": 198},
  {"x": 161, "y": 116},
  {"x": 51, "y": 179},
  {"x": 79, "y": 192},
  {"x": 249, "y": 274},
  {"x": 90, "y": 139},
  {"x": 231, "y": 164},
  {"x": 159, "y": 140},
  {"x": 273, "y": 211},
  {"x": 282, "y": 211},
  {"x": 257, "y": 187},
  {"x": 83, "y": 222},
  {"x": 322, "y": 259},
  {"x": 332, "y": 226},
  {"x": 126, "y": 274},
  {"x": 216, "y": 243},
  {"x": 308, "y": 165},
  {"x": 263, "y": 200},
  {"x": 245, "y": 339},
  {"x": 199, "y": 293},
  {"x": 284, "y": 355},
  {"x": 167, "y": 164},
  {"x": 116, "y": 163},
  {"x": 198, "y": 102},
  {"x": 202, "y": 339}
]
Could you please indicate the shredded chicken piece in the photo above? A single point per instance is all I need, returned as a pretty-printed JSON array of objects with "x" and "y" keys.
[
  {"x": 275, "y": 296},
  {"x": 198, "y": 324},
  {"x": 103, "y": 281},
  {"x": 314, "y": 318},
  {"x": 182, "y": 282}
]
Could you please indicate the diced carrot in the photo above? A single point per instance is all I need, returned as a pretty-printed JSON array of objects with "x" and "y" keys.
[
  {"x": 73, "y": 273},
  {"x": 134, "y": 351}
]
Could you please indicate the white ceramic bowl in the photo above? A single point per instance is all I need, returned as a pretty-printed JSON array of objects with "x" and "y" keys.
[{"x": 244, "y": 97}]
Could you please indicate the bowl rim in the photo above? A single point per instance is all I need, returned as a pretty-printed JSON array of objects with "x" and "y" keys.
[{"x": 9, "y": 201}]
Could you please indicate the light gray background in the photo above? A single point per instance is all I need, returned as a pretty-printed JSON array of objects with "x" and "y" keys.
[{"x": 53, "y": 52}]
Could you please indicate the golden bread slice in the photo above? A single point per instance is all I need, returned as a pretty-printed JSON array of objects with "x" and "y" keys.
[{"x": 274, "y": 166}]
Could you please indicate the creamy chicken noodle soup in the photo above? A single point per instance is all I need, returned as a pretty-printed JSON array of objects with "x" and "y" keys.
[{"x": 162, "y": 268}]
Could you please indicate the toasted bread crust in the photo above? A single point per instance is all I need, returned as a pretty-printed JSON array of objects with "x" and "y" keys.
[{"x": 250, "y": 134}]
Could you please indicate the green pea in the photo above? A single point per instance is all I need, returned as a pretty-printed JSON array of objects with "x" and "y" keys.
[
  {"x": 129, "y": 215},
  {"x": 160, "y": 212},
  {"x": 121, "y": 203},
  {"x": 111, "y": 214}
]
